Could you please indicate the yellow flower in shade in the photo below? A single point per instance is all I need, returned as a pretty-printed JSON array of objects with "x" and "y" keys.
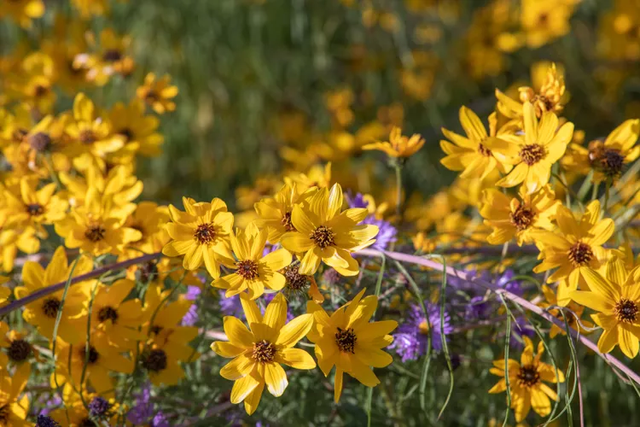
[
  {"x": 616, "y": 298},
  {"x": 150, "y": 220},
  {"x": 162, "y": 359},
  {"x": 34, "y": 206},
  {"x": 326, "y": 234},
  {"x": 398, "y": 145},
  {"x": 5, "y": 291},
  {"x": 348, "y": 341},
  {"x": 12, "y": 239},
  {"x": 116, "y": 321},
  {"x": 573, "y": 314},
  {"x": 544, "y": 21},
  {"x": 140, "y": 132},
  {"x": 22, "y": 11},
  {"x": 526, "y": 381},
  {"x": 518, "y": 217},
  {"x": 96, "y": 228},
  {"x": 42, "y": 313},
  {"x": 533, "y": 153},
  {"x": 253, "y": 272},
  {"x": 201, "y": 234},
  {"x": 15, "y": 408},
  {"x": 259, "y": 351},
  {"x": 545, "y": 96},
  {"x": 575, "y": 250},
  {"x": 158, "y": 93},
  {"x": 161, "y": 320},
  {"x": 607, "y": 159},
  {"x": 318, "y": 176},
  {"x": 275, "y": 212},
  {"x": 92, "y": 132},
  {"x": 479, "y": 153}
]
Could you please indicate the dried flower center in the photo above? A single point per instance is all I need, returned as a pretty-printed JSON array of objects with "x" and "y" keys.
[
  {"x": 87, "y": 137},
  {"x": 19, "y": 351},
  {"x": 482, "y": 149},
  {"x": 99, "y": 407},
  {"x": 294, "y": 280},
  {"x": 263, "y": 351},
  {"x": 45, "y": 421},
  {"x": 40, "y": 91},
  {"x": 286, "y": 222},
  {"x": 626, "y": 310},
  {"x": 50, "y": 307},
  {"x": 532, "y": 154},
  {"x": 108, "y": 313},
  {"x": 528, "y": 376},
  {"x": 151, "y": 97},
  {"x": 95, "y": 233},
  {"x": 112, "y": 55},
  {"x": 611, "y": 163},
  {"x": 156, "y": 361},
  {"x": 323, "y": 237},
  {"x": 5, "y": 413},
  {"x": 93, "y": 354},
  {"x": 346, "y": 340},
  {"x": 248, "y": 269},
  {"x": 205, "y": 233},
  {"x": 34, "y": 209},
  {"x": 580, "y": 254},
  {"x": 522, "y": 217},
  {"x": 40, "y": 141}
]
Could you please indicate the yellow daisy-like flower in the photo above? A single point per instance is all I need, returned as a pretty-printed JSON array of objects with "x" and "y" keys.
[
  {"x": 533, "y": 154},
  {"x": 607, "y": 159},
  {"x": 35, "y": 207},
  {"x": 22, "y": 11},
  {"x": 138, "y": 130},
  {"x": 526, "y": 381},
  {"x": 575, "y": 250},
  {"x": 616, "y": 298},
  {"x": 158, "y": 93},
  {"x": 163, "y": 358},
  {"x": 348, "y": 341},
  {"x": 259, "y": 351},
  {"x": 544, "y": 21},
  {"x": 326, "y": 234},
  {"x": 398, "y": 146},
  {"x": 201, "y": 234},
  {"x": 15, "y": 408},
  {"x": 275, "y": 212},
  {"x": 253, "y": 272},
  {"x": 518, "y": 217},
  {"x": 479, "y": 153}
]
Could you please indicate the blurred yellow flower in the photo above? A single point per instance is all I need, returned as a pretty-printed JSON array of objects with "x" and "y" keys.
[
  {"x": 544, "y": 21},
  {"x": 158, "y": 93},
  {"x": 398, "y": 146},
  {"x": 22, "y": 11}
]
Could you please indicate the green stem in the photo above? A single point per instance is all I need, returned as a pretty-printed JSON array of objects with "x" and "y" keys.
[{"x": 398, "y": 168}]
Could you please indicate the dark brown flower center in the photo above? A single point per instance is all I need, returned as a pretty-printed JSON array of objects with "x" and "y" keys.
[
  {"x": 87, "y": 137},
  {"x": 112, "y": 55},
  {"x": 147, "y": 272},
  {"x": 626, "y": 310},
  {"x": 5, "y": 413},
  {"x": 151, "y": 97},
  {"x": 528, "y": 376},
  {"x": 248, "y": 269},
  {"x": 93, "y": 355},
  {"x": 40, "y": 141},
  {"x": 155, "y": 329},
  {"x": 482, "y": 149},
  {"x": 580, "y": 254},
  {"x": 286, "y": 222},
  {"x": 108, "y": 313},
  {"x": 155, "y": 361},
  {"x": 205, "y": 233},
  {"x": 127, "y": 134},
  {"x": 40, "y": 91},
  {"x": 34, "y": 209},
  {"x": 95, "y": 233},
  {"x": 612, "y": 163},
  {"x": 50, "y": 307},
  {"x": 87, "y": 422},
  {"x": 19, "y": 351},
  {"x": 294, "y": 280},
  {"x": 532, "y": 154},
  {"x": 263, "y": 351},
  {"x": 522, "y": 217},
  {"x": 346, "y": 340},
  {"x": 323, "y": 237}
]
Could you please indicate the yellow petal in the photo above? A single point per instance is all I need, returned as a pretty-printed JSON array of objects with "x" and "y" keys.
[
  {"x": 296, "y": 358},
  {"x": 275, "y": 378},
  {"x": 295, "y": 330},
  {"x": 242, "y": 388},
  {"x": 276, "y": 313}
]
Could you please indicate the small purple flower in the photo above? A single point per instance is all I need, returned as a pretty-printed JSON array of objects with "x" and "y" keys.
[
  {"x": 191, "y": 317},
  {"x": 506, "y": 282},
  {"x": 48, "y": 405},
  {"x": 231, "y": 306},
  {"x": 160, "y": 420},
  {"x": 478, "y": 308},
  {"x": 410, "y": 342},
  {"x": 142, "y": 411}
]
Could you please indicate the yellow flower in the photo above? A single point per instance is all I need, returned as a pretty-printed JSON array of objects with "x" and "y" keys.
[
  {"x": 139, "y": 131},
  {"x": 544, "y": 21},
  {"x": 616, "y": 298},
  {"x": 5, "y": 291},
  {"x": 478, "y": 154},
  {"x": 520, "y": 218},
  {"x": 75, "y": 414},
  {"x": 112, "y": 57},
  {"x": 526, "y": 381},
  {"x": 257, "y": 352},
  {"x": 149, "y": 219},
  {"x": 324, "y": 233},
  {"x": 546, "y": 96},
  {"x": 275, "y": 212},
  {"x": 398, "y": 145},
  {"x": 15, "y": 408},
  {"x": 19, "y": 349},
  {"x": 607, "y": 159},
  {"x": 42, "y": 313},
  {"x": 158, "y": 93},
  {"x": 88, "y": 8},
  {"x": 533, "y": 154},
  {"x": 575, "y": 250},
  {"x": 348, "y": 341},
  {"x": 162, "y": 359},
  {"x": 22, "y": 11},
  {"x": 35, "y": 207},
  {"x": 421, "y": 243},
  {"x": 254, "y": 272},
  {"x": 91, "y": 131},
  {"x": 318, "y": 176},
  {"x": 96, "y": 228},
  {"x": 573, "y": 314},
  {"x": 201, "y": 234}
]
